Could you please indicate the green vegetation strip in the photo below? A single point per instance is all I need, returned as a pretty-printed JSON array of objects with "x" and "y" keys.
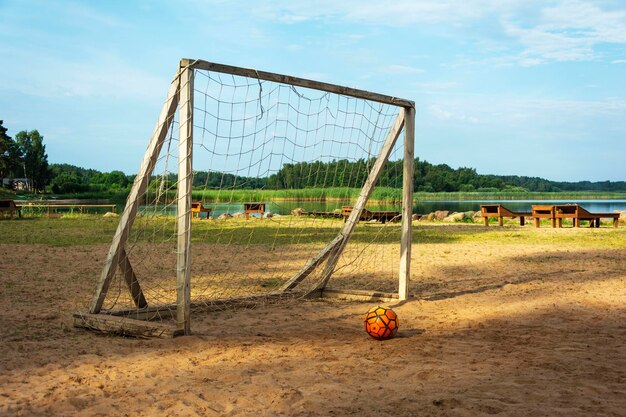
[{"x": 94, "y": 229}]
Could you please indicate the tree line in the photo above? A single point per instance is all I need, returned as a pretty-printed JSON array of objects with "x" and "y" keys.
[
  {"x": 427, "y": 178},
  {"x": 25, "y": 157}
]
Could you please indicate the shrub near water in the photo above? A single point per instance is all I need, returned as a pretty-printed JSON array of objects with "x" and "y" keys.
[{"x": 386, "y": 194}]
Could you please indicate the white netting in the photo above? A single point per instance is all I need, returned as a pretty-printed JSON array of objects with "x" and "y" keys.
[{"x": 299, "y": 157}]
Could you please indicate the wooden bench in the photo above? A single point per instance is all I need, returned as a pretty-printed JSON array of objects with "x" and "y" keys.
[
  {"x": 500, "y": 212},
  {"x": 381, "y": 216},
  {"x": 197, "y": 208},
  {"x": 577, "y": 213},
  {"x": 9, "y": 206},
  {"x": 543, "y": 212},
  {"x": 250, "y": 208}
]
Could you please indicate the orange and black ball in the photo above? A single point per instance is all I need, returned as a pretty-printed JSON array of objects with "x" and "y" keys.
[{"x": 381, "y": 323}]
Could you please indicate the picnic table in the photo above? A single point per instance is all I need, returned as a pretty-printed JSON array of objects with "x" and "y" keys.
[
  {"x": 9, "y": 206},
  {"x": 500, "y": 212}
]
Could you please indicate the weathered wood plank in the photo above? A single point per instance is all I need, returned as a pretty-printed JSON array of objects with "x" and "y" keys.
[
  {"x": 169, "y": 310},
  {"x": 311, "y": 265},
  {"x": 358, "y": 295},
  {"x": 134, "y": 198},
  {"x": 407, "y": 204},
  {"x": 131, "y": 280},
  {"x": 124, "y": 326},
  {"x": 300, "y": 82},
  {"x": 185, "y": 173}
]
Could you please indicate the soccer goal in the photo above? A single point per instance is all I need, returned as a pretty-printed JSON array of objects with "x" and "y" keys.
[{"x": 258, "y": 187}]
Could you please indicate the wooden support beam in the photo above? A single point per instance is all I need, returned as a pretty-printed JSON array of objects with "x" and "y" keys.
[
  {"x": 136, "y": 192},
  {"x": 312, "y": 264},
  {"x": 358, "y": 295},
  {"x": 407, "y": 203},
  {"x": 366, "y": 191},
  {"x": 185, "y": 174},
  {"x": 124, "y": 326},
  {"x": 166, "y": 311},
  {"x": 158, "y": 312},
  {"x": 299, "y": 82},
  {"x": 131, "y": 280}
]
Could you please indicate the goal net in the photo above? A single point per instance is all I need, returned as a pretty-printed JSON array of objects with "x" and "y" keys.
[{"x": 258, "y": 187}]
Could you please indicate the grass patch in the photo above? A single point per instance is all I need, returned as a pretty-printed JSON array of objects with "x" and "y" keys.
[
  {"x": 94, "y": 229},
  {"x": 381, "y": 194},
  {"x": 80, "y": 230}
]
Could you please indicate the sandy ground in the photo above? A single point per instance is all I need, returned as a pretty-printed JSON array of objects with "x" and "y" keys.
[{"x": 515, "y": 330}]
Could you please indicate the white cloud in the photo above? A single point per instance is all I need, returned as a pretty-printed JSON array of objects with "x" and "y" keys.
[
  {"x": 444, "y": 113},
  {"x": 401, "y": 69},
  {"x": 81, "y": 15},
  {"x": 569, "y": 30},
  {"x": 96, "y": 74},
  {"x": 388, "y": 13},
  {"x": 540, "y": 117},
  {"x": 437, "y": 85},
  {"x": 544, "y": 31}
]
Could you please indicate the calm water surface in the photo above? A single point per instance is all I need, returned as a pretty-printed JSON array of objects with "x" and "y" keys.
[{"x": 421, "y": 207}]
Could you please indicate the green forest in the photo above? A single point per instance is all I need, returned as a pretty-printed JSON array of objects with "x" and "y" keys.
[{"x": 25, "y": 157}]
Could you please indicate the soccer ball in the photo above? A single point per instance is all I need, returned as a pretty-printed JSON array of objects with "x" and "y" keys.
[{"x": 381, "y": 323}]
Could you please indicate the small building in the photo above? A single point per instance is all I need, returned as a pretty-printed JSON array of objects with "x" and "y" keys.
[{"x": 16, "y": 184}]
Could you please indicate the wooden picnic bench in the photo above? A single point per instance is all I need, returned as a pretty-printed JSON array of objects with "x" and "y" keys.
[
  {"x": 381, "y": 216},
  {"x": 543, "y": 212},
  {"x": 250, "y": 208},
  {"x": 578, "y": 213},
  {"x": 9, "y": 206},
  {"x": 197, "y": 208},
  {"x": 500, "y": 212}
]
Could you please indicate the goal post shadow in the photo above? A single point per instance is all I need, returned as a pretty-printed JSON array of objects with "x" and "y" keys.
[{"x": 140, "y": 320}]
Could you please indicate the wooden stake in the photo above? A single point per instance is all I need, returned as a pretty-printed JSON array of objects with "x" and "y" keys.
[
  {"x": 366, "y": 191},
  {"x": 136, "y": 193},
  {"x": 185, "y": 147},
  {"x": 407, "y": 203}
]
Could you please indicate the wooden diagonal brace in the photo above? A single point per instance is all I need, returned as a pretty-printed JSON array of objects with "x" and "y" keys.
[
  {"x": 366, "y": 191},
  {"x": 134, "y": 198},
  {"x": 131, "y": 280}
]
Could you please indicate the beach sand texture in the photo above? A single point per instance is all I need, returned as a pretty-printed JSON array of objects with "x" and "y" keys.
[{"x": 495, "y": 329}]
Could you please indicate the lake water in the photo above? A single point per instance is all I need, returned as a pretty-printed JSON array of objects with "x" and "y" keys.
[
  {"x": 421, "y": 207},
  {"x": 600, "y": 206}
]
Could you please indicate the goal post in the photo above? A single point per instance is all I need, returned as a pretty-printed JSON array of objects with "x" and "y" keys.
[{"x": 234, "y": 134}]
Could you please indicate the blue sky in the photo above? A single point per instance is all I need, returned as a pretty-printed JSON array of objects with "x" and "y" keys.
[{"x": 519, "y": 87}]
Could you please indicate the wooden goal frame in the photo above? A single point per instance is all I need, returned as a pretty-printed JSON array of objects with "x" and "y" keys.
[{"x": 180, "y": 96}]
